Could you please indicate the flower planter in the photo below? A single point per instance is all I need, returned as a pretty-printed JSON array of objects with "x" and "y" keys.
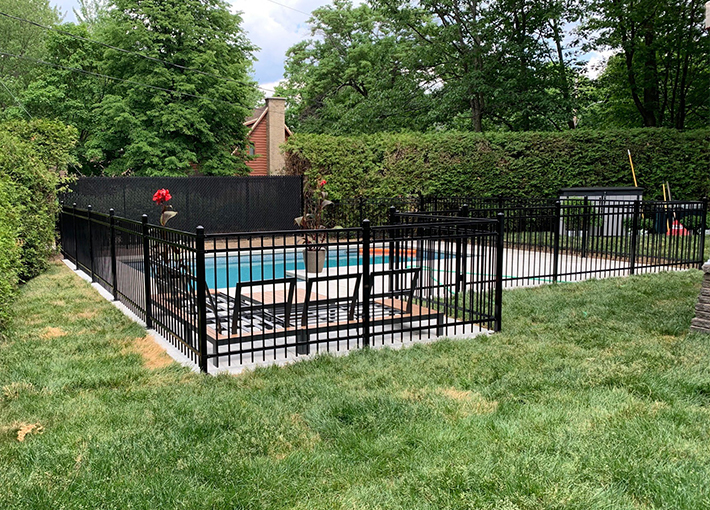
[{"x": 314, "y": 260}]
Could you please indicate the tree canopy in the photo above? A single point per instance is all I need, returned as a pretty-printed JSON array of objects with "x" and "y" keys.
[
  {"x": 154, "y": 87},
  {"x": 162, "y": 87},
  {"x": 498, "y": 65}
]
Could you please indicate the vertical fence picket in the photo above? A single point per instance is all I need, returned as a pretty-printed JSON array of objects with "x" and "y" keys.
[
  {"x": 91, "y": 244},
  {"x": 634, "y": 237},
  {"x": 146, "y": 273},
  {"x": 114, "y": 276},
  {"x": 76, "y": 238},
  {"x": 556, "y": 242},
  {"x": 60, "y": 227},
  {"x": 366, "y": 284}
]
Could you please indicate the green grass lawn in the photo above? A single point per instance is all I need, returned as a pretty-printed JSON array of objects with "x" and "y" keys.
[{"x": 594, "y": 397}]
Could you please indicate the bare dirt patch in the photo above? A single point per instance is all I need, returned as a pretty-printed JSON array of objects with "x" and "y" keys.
[
  {"x": 154, "y": 356},
  {"x": 28, "y": 428},
  {"x": 51, "y": 332},
  {"x": 89, "y": 314}
]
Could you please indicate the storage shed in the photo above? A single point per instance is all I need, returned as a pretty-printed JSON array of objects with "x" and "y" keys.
[{"x": 604, "y": 199}]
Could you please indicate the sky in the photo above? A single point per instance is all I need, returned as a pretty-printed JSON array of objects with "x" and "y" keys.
[{"x": 276, "y": 25}]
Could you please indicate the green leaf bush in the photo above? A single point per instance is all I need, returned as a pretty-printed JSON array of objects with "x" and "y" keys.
[
  {"x": 526, "y": 164},
  {"x": 32, "y": 156},
  {"x": 9, "y": 247}
]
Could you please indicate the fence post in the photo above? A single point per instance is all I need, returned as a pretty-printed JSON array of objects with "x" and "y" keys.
[
  {"x": 703, "y": 226},
  {"x": 634, "y": 237},
  {"x": 556, "y": 248},
  {"x": 366, "y": 288},
  {"x": 91, "y": 244},
  {"x": 146, "y": 274},
  {"x": 76, "y": 238},
  {"x": 498, "y": 310},
  {"x": 201, "y": 297},
  {"x": 114, "y": 276},
  {"x": 421, "y": 201}
]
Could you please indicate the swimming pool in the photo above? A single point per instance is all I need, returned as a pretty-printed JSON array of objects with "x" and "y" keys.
[{"x": 255, "y": 266}]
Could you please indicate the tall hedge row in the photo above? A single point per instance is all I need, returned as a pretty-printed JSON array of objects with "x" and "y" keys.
[
  {"x": 32, "y": 155},
  {"x": 512, "y": 164}
]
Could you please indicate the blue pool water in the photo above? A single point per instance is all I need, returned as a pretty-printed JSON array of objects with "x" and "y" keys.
[{"x": 268, "y": 266}]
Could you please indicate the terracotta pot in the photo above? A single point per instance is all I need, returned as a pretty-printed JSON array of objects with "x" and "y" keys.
[{"x": 314, "y": 260}]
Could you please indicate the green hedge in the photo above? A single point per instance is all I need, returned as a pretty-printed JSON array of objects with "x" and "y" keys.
[
  {"x": 9, "y": 247},
  {"x": 512, "y": 164},
  {"x": 32, "y": 156}
]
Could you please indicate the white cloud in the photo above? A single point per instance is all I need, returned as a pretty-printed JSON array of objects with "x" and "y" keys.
[
  {"x": 597, "y": 63},
  {"x": 269, "y": 87},
  {"x": 274, "y": 29}
]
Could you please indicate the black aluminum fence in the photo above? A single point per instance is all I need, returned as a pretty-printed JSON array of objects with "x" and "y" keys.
[
  {"x": 579, "y": 238},
  {"x": 549, "y": 240},
  {"x": 348, "y": 288},
  {"x": 219, "y": 204},
  {"x": 246, "y": 298},
  {"x": 115, "y": 251}
]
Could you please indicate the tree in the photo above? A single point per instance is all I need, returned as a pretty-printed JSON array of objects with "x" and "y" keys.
[
  {"x": 664, "y": 49},
  {"x": 501, "y": 64},
  {"x": 74, "y": 98},
  {"x": 22, "y": 39},
  {"x": 176, "y": 119},
  {"x": 606, "y": 98},
  {"x": 91, "y": 12},
  {"x": 357, "y": 75}
]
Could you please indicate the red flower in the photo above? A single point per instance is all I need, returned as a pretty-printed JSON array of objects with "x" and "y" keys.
[
  {"x": 162, "y": 195},
  {"x": 322, "y": 183}
]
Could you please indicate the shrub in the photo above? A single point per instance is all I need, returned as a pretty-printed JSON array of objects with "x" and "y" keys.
[
  {"x": 9, "y": 248},
  {"x": 512, "y": 164},
  {"x": 32, "y": 154}
]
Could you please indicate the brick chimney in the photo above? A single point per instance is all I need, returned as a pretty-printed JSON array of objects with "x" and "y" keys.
[{"x": 275, "y": 134}]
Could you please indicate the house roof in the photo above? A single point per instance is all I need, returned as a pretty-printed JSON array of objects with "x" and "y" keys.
[{"x": 257, "y": 116}]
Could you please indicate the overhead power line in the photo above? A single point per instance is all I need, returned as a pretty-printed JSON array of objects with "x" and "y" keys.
[
  {"x": 292, "y": 8},
  {"x": 128, "y": 52},
  {"x": 16, "y": 100},
  {"x": 99, "y": 75}
]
